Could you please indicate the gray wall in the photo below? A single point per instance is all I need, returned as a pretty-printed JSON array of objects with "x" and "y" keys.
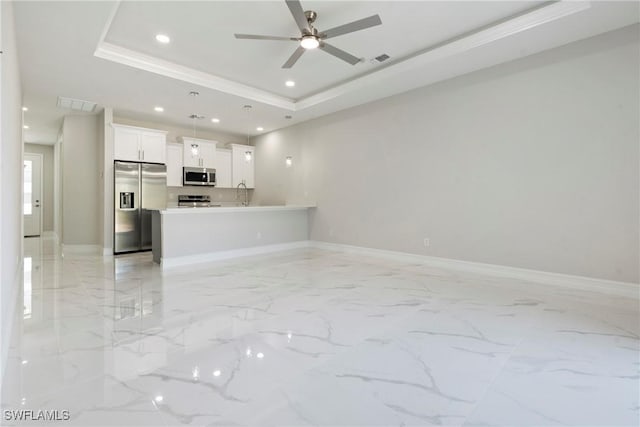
[
  {"x": 47, "y": 181},
  {"x": 81, "y": 181},
  {"x": 530, "y": 164},
  {"x": 11, "y": 166}
]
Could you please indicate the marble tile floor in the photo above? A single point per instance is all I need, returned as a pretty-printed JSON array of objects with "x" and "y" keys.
[{"x": 314, "y": 337}]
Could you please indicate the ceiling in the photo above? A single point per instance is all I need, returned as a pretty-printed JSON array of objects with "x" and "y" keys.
[{"x": 106, "y": 52}]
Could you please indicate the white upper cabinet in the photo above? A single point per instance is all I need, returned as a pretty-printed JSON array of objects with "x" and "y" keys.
[
  {"x": 242, "y": 165},
  {"x": 126, "y": 144},
  {"x": 153, "y": 147},
  {"x": 139, "y": 144},
  {"x": 198, "y": 153},
  {"x": 223, "y": 168},
  {"x": 174, "y": 165}
]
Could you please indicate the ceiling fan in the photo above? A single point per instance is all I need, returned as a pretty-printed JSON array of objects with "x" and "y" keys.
[{"x": 311, "y": 38}]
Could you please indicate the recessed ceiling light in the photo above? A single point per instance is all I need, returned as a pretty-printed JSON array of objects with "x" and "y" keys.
[
  {"x": 259, "y": 128},
  {"x": 25, "y": 109},
  {"x": 214, "y": 120},
  {"x": 159, "y": 109},
  {"x": 25, "y": 127},
  {"x": 163, "y": 38},
  {"x": 290, "y": 83}
]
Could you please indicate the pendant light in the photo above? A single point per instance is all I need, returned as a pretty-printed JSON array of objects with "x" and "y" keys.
[
  {"x": 248, "y": 154},
  {"x": 195, "y": 148}
]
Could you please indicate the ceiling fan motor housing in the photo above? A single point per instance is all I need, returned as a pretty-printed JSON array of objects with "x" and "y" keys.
[{"x": 311, "y": 16}]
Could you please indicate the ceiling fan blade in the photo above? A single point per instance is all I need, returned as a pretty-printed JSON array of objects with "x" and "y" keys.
[
  {"x": 339, "y": 53},
  {"x": 358, "y": 25},
  {"x": 257, "y": 37},
  {"x": 298, "y": 14},
  {"x": 294, "y": 58}
]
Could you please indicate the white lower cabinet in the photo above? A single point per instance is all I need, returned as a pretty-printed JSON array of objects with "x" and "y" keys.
[
  {"x": 174, "y": 165},
  {"x": 223, "y": 168}
]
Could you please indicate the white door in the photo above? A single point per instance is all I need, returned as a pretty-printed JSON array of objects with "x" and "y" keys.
[
  {"x": 174, "y": 165},
  {"x": 126, "y": 145},
  {"x": 32, "y": 209},
  {"x": 223, "y": 168},
  {"x": 208, "y": 154},
  {"x": 191, "y": 158},
  {"x": 154, "y": 148}
]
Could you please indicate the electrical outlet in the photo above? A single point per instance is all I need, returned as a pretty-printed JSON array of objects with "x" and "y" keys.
[
  {"x": 331, "y": 232},
  {"x": 258, "y": 235},
  {"x": 426, "y": 242}
]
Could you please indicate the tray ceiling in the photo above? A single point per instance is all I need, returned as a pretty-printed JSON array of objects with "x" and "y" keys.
[{"x": 106, "y": 52}]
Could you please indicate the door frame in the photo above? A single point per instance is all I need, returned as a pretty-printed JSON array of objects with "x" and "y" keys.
[{"x": 41, "y": 190}]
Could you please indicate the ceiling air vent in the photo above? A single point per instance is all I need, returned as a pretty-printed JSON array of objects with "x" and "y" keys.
[
  {"x": 76, "y": 104},
  {"x": 382, "y": 57}
]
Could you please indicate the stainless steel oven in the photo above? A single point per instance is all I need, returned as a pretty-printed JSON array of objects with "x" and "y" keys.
[{"x": 198, "y": 176}]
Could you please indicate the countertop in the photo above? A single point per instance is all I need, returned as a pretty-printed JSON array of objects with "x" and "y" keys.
[{"x": 228, "y": 209}]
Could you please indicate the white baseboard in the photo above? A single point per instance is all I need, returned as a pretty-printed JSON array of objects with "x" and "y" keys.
[
  {"x": 168, "y": 263},
  {"x": 610, "y": 287},
  {"x": 81, "y": 249},
  {"x": 7, "y": 321},
  {"x": 107, "y": 251}
]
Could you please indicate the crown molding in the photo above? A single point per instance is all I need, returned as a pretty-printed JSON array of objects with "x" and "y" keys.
[
  {"x": 528, "y": 20},
  {"x": 544, "y": 14},
  {"x": 155, "y": 65}
]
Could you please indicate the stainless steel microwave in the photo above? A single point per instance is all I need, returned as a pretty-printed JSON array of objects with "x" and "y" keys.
[{"x": 198, "y": 176}]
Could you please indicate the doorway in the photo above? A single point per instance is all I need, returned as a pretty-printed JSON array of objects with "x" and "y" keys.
[{"x": 32, "y": 208}]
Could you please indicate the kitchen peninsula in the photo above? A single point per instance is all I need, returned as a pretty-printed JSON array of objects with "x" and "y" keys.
[{"x": 183, "y": 236}]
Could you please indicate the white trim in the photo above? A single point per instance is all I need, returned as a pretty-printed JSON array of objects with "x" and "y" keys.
[
  {"x": 41, "y": 207},
  {"x": 501, "y": 30},
  {"x": 109, "y": 21},
  {"x": 168, "y": 263},
  {"x": 107, "y": 252},
  {"x": 7, "y": 321},
  {"x": 610, "y": 287},
  {"x": 155, "y": 65},
  {"x": 234, "y": 209},
  {"x": 81, "y": 249},
  {"x": 137, "y": 128}
]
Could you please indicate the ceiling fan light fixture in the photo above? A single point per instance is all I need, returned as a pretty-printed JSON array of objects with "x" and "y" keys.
[{"x": 309, "y": 42}]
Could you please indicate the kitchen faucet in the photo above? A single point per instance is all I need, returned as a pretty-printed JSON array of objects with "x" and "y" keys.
[{"x": 246, "y": 194}]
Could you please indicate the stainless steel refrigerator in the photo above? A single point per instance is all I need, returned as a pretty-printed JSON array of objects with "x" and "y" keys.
[{"x": 139, "y": 189}]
